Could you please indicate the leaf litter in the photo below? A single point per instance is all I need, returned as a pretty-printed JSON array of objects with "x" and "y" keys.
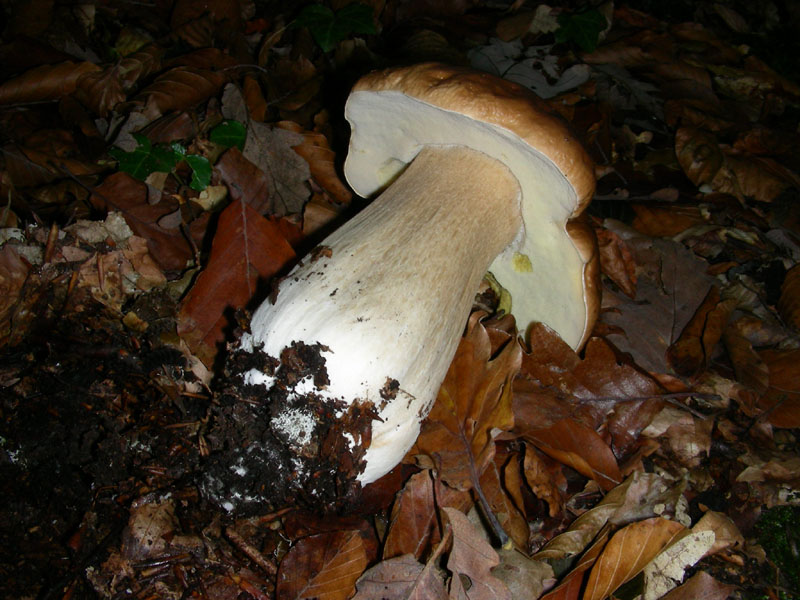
[{"x": 646, "y": 465}]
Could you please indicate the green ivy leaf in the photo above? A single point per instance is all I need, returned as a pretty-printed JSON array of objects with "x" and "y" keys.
[
  {"x": 138, "y": 162},
  {"x": 582, "y": 28},
  {"x": 229, "y": 134},
  {"x": 201, "y": 171},
  {"x": 329, "y": 28}
]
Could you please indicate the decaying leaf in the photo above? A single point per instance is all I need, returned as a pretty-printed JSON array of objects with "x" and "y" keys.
[
  {"x": 401, "y": 578},
  {"x": 48, "y": 82}
]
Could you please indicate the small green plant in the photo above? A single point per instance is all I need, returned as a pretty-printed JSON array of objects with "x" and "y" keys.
[
  {"x": 328, "y": 28},
  {"x": 147, "y": 158},
  {"x": 779, "y": 535},
  {"x": 581, "y": 28}
]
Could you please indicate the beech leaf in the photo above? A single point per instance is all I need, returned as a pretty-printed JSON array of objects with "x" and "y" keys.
[
  {"x": 401, "y": 578},
  {"x": 323, "y": 566}
]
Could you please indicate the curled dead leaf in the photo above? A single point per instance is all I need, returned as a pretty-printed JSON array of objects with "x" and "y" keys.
[{"x": 48, "y": 82}]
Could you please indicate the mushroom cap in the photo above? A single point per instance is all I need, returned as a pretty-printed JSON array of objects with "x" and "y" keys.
[{"x": 551, "y": 268}]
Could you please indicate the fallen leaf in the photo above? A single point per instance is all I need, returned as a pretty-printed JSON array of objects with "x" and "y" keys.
[
  {"x": 401, "y": 578},
  {"x": 503, "y": 507},
  {"x": 179, "y": 88},
  {"x": 701, "y": 586},
  {"x": 246, "y": 248},
  {"x": 323, "y": 566},
  {"x": 13, "y": 272},
  {"x": 473, "y": 405},
  {"x": 524, "y": 577},
  {"x": 789, "y": 302},
  {"x": 781, "y": 402},
  {"x": 616, "y": 261},
  {"x": 627, "y": 553},
  {"x": 472, "y": 557},
  {"x": 546, "y": 479},
  {"x": 45, "y": 83},
  {"x": 667, "y": 569}
]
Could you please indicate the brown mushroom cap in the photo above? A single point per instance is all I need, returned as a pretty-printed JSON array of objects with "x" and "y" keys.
[{"x": 452, "y": 100}]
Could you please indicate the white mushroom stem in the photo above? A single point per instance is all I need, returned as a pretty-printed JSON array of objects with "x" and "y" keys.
[{"x": 390, "y": 294}]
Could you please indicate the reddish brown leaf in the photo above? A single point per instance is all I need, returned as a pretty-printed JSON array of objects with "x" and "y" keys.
[
  {"x": 504, "y": 507},
  {"x": 616, "y": 261},
  {"x": 317, "y": 152},
  {"x": 750, "y": 370},
  {"x": 168, "y": 247},
  {"x": 101, "y": 91},
  {"x": 247, "y": 247},
  {"x": 578, "y": 447},
  {"x": 690, "y": 354},
  {"x": 472, "y": 556},
  {"x": 627, "y": 553},
  {"x": 48, "y": 82},
  {"x": 789, "y": 303},
  {"x": 324, "y": 566},
  {"x": 665, "y": 221},
  {"x": 474, "y": 403},
  {"x": 245, "y": 181},
  {"x": 546, "y": 479},
  {"x": 781, "y": 402}
]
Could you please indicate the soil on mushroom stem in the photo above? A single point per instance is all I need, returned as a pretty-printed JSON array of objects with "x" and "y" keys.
[{"x": 276, "y": 446}]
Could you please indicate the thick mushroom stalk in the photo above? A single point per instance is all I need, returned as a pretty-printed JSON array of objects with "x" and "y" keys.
[{"x": 387, "y": 295}]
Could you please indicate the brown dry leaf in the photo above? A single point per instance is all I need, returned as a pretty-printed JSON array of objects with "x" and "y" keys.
[
  {"x": 706, "y": 162},
  {"x": 101, "y": 91},
  {"x": 546, "y": 479},
  {"x": 13, "y": 273},
  {"x": 245, "y": 181},
  {"x": 726, "y": 533},
  {"x": 323, "y": 566},
  {"x": 781, "y": 402},
  {"x": 45, "y": 83},
  {"x": 570, "y": 586},
  {"x": 317, "y": 152},
  {"x": 750, "y": 370},
  {"x": 503, "y": 506},
  {"x": 401, "y": 578},
  {"x": 586, "y": 390},
  {"x": 616, "y": 261},
  {"x": 178, "y": 89},
  {"x": 687, "y": 437},
  {"x": 628, "y": 552},
  {"x": 667, "y": 569},
  {"x": 665, "y": 221},
  {"x": 246, "y": 247},
  {"x": 789, "y": 302},
  {"x": 769, "y": 466},
  {"x": 578, "y": 447},
  {"x": 473, "y": 405},
  {"x": 692, "y": 351},
  {"x": 671, "y": 284},
  {"x": 473, "y": 557},
  {"x": 414, "y": 522},
  {"x": 524, "y": 577},
  {"x": 168, "y": 247},
  {"x": 701, "y": 586}
]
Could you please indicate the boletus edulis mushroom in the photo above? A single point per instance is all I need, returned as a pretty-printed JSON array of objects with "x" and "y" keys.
[{"x": 474, "y": 175}]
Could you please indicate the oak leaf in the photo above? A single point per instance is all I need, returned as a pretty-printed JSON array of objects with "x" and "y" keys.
[{"x": 473, "y": 405}]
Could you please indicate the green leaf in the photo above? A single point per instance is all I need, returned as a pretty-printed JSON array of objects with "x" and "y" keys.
[
  {"x": 164, "y": 159},
  {"x": 329, "y": 28},
  {"x": 138, "y": 162},
  {"x": 229, "y": 134},
  {"x": 201, "y": 171},
  {"x": 582, "y": 28}
]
